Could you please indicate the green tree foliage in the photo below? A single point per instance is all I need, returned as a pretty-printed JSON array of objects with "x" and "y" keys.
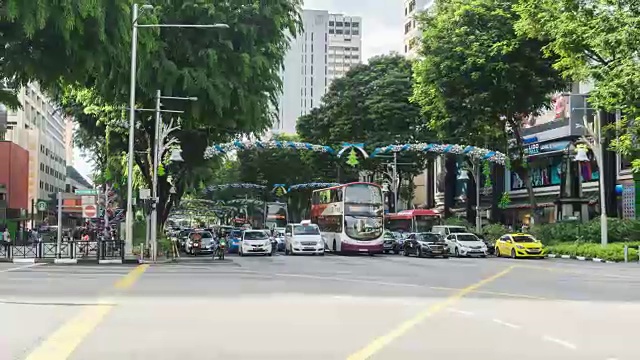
[
  {"x": 370, "y": 105},
  {"x": 233, "y": 72},
  {"x": 45, "y": 40},
  {"x": 281, "y": 166},
  {"x": 478, "y": 77},
  {"x": 595, "y": 40}
]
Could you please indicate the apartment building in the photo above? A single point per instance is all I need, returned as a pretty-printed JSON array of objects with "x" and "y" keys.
[{"x": 329, "y": 46}]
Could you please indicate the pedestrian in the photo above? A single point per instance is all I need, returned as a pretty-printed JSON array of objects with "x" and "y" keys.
[{"x": 6, "y": 236}]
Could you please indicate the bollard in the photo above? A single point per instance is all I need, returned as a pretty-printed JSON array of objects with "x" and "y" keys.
[{"x": 626, "y": 253}]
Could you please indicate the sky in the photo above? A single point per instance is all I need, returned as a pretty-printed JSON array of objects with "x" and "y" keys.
[{"x": 382, "y": 32}]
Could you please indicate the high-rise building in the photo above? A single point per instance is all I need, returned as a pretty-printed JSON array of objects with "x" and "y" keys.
[
  {"x": 329, "y": 46},
  {"x": 411, "y": 31},
  {"x": 40, "y": 128}
]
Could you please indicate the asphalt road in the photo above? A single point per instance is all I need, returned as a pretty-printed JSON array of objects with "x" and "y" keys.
[{"x": 332, "y": 307}]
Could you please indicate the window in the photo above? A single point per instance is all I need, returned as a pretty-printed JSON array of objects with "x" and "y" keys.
[
  {"x": 412, "y": 6},
  {"x": 347, "y": 32},
  {"x": 41, "y": 167},
  {"x": 355, "y": 32},
  {"x": 46, "y": 186},
  {"x": 331, "y": 31},
  {"x": 355, "y": 25},
  {"x": 331, "y": 23},
  {"x": 311, "y": 40},
  {"x": 41, "y": 184},
  {"x": 47, "y": 169},
  {"x": 407, "y": 27},
  {"x": 339, "y": 24},
  {"x": 339, "y": 31}
]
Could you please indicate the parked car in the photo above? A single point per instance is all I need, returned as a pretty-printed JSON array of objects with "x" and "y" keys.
[
  {"x": 234, "y": 240},
  {"x": 519, "y": 245},
  {"x": 425, "y": 244},
  {"x": 391, "y": 243},
  {"x": 466, "y": 244}
]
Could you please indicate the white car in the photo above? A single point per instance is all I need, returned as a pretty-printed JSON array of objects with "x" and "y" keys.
[
  {"x": 303, "y": 238},
  {"x": 466, "y": 244},
  {"x": 254, "y": 242}
]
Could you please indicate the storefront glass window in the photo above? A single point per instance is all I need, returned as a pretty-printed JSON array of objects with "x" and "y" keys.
[{"x": 547, "y": 172}]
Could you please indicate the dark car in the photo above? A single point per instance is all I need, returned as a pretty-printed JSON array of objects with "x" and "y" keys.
[
  {"x": 391, "y": 243},
  {"x": 425, "y": 244},
  {"x": 491, "y": 244}
]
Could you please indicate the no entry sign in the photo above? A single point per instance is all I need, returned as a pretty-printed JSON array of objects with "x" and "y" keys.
[{"x": 89, "y": 211}]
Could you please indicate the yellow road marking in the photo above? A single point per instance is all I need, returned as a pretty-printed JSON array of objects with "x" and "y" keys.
[
  {"x": 384, "y": 340},
  {"x": 61, "y": 344}
]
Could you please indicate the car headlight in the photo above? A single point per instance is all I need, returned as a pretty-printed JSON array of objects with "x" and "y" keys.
[
  {"x": 321, "y": 243},
  {"x": 296, "y": 243},
  {"x": 520, "y": 246},
  {"x": 268, "y": 243}
]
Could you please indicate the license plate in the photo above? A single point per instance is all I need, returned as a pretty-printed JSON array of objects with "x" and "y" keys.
[
  {"x": 436, "y": 251},
  {"x": 363, "y": 250},
  {"x": 309, "y": 249}
]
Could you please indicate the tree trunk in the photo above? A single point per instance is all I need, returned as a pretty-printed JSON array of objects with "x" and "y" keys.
[{"x": 450, "y": 184}]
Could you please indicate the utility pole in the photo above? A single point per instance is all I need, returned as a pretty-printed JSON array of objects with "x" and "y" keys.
[
  {"x": 396, "y": 182},
  {"x": 159, "y": 147}
]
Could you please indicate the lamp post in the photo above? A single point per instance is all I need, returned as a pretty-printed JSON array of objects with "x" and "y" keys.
[
  {"x": 476, "y": 176},
  {"x": 135, "y": 15},
  {"x": 159, "y": 148},
  {"x": 596, "y": 145}
]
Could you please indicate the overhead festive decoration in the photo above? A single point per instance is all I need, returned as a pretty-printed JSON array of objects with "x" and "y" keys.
[
  {"x": 352, "y": 160},
  {"x": 243, "y": 202},
  {"x": 279, "y": 189},
  {"x": 486, "y": 171},
  {"x": 353, "y": 147},
  {"x": 235, "y": 186},
  {"x": 220, "y": 149},
  {"x": 505, "y": 200},
  {"x": 472, "y": 152},
  {"x": 314, "y": 185}
]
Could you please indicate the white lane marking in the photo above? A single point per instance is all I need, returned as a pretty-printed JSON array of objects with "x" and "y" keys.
[
  {"x": 566, "y": 344},
  {"x": 507, "y": 324},
  {"x": 20, "y": 267},
  {"x": 462, "y": 312}
]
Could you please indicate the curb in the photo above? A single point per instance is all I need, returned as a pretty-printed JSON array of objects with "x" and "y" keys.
[
  {"x": 107, "y": 262},
  {"x": 65, "y": 261},
  {"x": 580, "y": 258},
  {"x": 24, "y": 261}
]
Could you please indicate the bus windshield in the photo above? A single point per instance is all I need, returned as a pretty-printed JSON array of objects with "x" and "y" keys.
[
  {"x": 363, "y": 212},
  {"x": 363, "y": 194},
  {"x": 276, "y": 215}
]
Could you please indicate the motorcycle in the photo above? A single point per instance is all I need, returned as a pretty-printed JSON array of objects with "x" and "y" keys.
[
  {"x": 220, "y": 250},
  {"x": 196, "y": 246},
  {"x": 274, "y": 245}
]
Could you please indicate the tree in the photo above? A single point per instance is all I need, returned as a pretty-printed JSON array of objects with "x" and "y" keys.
[
  {"x": 478, "y": 77},
  {"x": 45, "y": 40},
  {"x": 597, "y": 40},
  {"x": 233, "y": 72},
  {"x": 370, "y": 105},
  {"x": 280, "y": 166}
]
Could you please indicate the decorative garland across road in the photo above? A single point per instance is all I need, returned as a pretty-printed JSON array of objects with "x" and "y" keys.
[
  {"x": 235, "y": 186},
  {"x": 313, "y": 185},
  {"x": 219, "y": 149},
  {"x": 473, "y": 152}
]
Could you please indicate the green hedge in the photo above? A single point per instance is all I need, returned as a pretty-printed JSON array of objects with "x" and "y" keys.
[
  {"x": 611, "y": 252},
  {"x": 619, "y": 231}
]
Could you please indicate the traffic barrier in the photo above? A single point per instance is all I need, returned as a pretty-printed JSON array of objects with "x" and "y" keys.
[{"x": 106, "y": 251}]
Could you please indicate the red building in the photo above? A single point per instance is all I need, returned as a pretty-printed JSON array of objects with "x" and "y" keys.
[{"x": 14, "y": 174}]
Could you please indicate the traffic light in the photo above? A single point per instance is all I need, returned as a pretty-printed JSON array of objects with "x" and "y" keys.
[{"x": 389, "y": 199}]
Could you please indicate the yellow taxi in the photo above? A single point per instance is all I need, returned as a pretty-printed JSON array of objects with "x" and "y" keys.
[{"x": 519, "y": 245}]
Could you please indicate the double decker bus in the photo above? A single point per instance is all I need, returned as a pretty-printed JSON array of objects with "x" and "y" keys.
[
  {"x": 409, "y": 221},
  {"x": 276, "y": 215},
  {"x": 350, "y": 217}
]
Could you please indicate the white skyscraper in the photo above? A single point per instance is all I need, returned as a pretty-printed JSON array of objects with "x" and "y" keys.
[
  {"x": 411, "y": 32},
  {"x": 328, "y": 47}
]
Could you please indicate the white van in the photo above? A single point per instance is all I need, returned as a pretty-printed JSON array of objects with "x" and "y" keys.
[{"x": 303, "y": 238}]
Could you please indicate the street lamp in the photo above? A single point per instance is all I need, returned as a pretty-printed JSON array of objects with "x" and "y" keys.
[
  {"x": 135, "y": 15},
  {"x": 176, "y": 156}
]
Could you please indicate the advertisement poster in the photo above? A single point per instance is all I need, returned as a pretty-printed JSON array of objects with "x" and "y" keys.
[{"x": 628, "y": 201}]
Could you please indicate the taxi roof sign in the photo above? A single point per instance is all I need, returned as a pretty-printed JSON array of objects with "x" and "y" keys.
[{"x": 305, "y": 222}]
